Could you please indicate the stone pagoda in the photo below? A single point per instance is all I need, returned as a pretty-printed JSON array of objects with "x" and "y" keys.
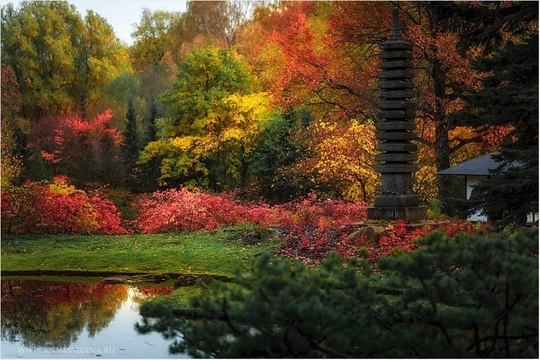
[{"x": 395, "y": 126}]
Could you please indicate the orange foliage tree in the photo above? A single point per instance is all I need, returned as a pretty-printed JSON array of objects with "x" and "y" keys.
[
  {"x": 327, "y": 59},
  {"x": 443, "y": 73},
  {"x": 304, "y": 64}
]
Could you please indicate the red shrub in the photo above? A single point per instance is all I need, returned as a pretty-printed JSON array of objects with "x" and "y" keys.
[
  {"x": 107, "y": 216},
  {"x": 401, "y": 236},
  {"x": 397, "y": 236},
  {"x": 312, "y": 243},
  {"x": 191, "y": 210},
  {"x": 37, "y": 208},
  {"x": 172, "y": 210},
  {"x": 312, "y": 210}
]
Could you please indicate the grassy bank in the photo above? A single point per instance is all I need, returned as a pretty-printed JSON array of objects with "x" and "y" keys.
[{"x": 211, "y": 252}]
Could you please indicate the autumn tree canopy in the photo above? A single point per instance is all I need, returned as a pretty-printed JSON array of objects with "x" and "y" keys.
[
  {"x": 61, "y": 61},
  {"x": 279, "y": 98},
  {"x": 217, "y": 113}
]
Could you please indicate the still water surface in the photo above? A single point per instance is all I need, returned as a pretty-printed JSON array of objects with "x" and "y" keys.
[{"x": 52, "y": 320}]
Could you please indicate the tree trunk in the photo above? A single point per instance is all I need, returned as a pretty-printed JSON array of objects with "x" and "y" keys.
[{"x": 442, "y": 141}]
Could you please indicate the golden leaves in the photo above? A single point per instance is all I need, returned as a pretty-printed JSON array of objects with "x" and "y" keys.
[{"x": 344, "y": 157}]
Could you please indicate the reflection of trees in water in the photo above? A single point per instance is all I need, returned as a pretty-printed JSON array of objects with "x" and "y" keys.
[
  {"x": 140, "y": 294},
  {"x": 53, "y": 314}
]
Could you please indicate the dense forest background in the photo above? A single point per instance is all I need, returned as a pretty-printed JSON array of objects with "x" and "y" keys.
[{"x": 268, "y": 99}]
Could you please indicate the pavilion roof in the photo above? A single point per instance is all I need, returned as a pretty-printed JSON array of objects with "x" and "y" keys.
[{"x": 482, "y": 165}]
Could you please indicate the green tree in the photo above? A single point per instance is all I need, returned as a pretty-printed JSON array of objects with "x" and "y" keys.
[
  {"x": 101, "y": 58},
  {"x": 40, "y": 42},
  {"x": 471, "y": 296},
  {"x": 11, "y": 157},
  {"x": 206, "y": 76},
  {"x": 11, "y": 166},
  {"x": 151, "y": 40},
  {"x": 509, "y": 96},
  {"x": 149, "y": 172},
  {"x": 61, "y": 61},
  {"x": 216, "y": 113},
  {"x": 151, "y": 130},
  {"x": 118, "y": 92},
  {"x": 130, "y": 146},
  {"x": 276, "y": 151}
]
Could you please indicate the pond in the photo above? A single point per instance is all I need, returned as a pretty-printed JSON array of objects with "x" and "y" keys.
[{"x": 77, "y": 320}]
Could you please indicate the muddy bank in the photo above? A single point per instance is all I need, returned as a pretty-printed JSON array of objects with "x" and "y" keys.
[{"x": 110, "y": 277}]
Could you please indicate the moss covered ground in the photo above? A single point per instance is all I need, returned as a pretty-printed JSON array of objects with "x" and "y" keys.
[{"x": 211, "y": 252}]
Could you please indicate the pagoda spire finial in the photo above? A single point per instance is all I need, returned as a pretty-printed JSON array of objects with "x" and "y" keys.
[{"x": 396, "y": 32}]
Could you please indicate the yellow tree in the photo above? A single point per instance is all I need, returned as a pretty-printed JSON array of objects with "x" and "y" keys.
[
  {"x": 102, "y": 58},
  {"x": 235, "y": 127},
  {"x": 222, "y": 149},
  {"x": 217, "y": 111},
  {"x": 343, "y": 158},
  {"x": 11, "y": 164}
]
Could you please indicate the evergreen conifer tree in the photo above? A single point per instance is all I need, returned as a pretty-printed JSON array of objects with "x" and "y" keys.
[
  {"x": 149, "y": 172},
  {"x": 508, "y": 35},
  {"x": 151, "y": 131},
  {"x": 276, "y": 151},
  {"x": 455, "y": 297},
  {"x": 131, "y": 137}
]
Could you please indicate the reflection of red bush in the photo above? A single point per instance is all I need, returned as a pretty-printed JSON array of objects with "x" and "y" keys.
[
  {"x": 152, "y": 291},
  {"x": 47, "y": 295}
]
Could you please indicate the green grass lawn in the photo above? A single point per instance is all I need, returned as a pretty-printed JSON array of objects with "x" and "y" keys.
[{"x": 211, "y": 252}]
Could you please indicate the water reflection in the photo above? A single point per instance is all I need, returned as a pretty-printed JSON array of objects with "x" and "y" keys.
[{"x": 50, "y": 314}]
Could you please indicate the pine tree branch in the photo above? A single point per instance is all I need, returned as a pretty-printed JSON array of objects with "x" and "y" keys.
[
  {"x": 227, "y": 318},
  {"x": 462, "y": 142},
  {"x": 315, "y": 345}
]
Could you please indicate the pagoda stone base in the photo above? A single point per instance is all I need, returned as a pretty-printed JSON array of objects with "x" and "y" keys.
[
  {"x": 413, "y": 213},
  {"x": 397, "y": 200}
]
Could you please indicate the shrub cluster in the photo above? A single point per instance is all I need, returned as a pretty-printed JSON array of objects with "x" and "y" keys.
[
  {"x": 193, "y": 210},
  {"x": 57, "y": 208},
  {"x": 400, "y": 237},
  {"x": 311, "y": 226},
  {"x": 311, "y": 243}
]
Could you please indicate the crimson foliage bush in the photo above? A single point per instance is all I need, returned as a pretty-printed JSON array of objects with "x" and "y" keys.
[
  {"x": 312, "y": 243},
  {"x": 182, "y": 209},
  {"x": 57, "y": 208},
  {"x": 193, "y": 210}
]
